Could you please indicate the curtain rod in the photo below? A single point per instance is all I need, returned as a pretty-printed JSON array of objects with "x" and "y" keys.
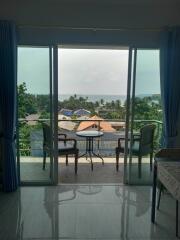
[{"x": 94, "y": 29}]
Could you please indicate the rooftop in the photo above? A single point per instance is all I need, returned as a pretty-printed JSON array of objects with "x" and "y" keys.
[{"x": 103, "y": 125}]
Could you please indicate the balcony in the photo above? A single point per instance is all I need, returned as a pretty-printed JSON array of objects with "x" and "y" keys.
[{"x": 31, "y": 153}]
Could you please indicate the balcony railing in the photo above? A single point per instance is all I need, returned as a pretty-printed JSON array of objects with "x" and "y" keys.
[{"x": 31, "y": 134}]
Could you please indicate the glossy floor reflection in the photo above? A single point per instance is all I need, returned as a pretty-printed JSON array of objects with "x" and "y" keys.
[{"x": 84, "y": 212}]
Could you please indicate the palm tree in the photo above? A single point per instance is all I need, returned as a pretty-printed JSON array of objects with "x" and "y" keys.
[{"x": 102, "y": 101}]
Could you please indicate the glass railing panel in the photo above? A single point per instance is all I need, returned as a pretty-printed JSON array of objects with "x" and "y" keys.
[
  {"x": 31, "y": 145},
  {"x": 107, "y": 143},
  {"x": 31, "y": 151}
]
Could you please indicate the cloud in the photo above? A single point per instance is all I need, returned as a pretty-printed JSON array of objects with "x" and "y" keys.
[
  {"x": 92, "y": 71},
  {"x": 88, "y": 71}
]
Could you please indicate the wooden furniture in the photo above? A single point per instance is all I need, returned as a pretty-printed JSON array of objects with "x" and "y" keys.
[
  {"x": 142, "y": 145},
  {"x": 167, "y": 172},
  {"x": 90, "y": 135},
  {"x": 66, "y": 146}
]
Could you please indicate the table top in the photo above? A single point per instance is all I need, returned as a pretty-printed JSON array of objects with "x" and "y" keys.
[
  {"x": 89, "y": 133},
  {"x": 169, "y": 175}
]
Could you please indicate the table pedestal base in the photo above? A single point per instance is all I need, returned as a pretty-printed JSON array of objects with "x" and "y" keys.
[{"x": 89, "y": 151}]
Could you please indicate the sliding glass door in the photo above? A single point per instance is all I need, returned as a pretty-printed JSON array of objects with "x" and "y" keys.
[
  {"x": 37, "y": 114},
  {"x": 145, "y": 113}
]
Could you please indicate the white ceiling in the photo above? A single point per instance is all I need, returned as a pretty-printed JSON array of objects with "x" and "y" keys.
[{"x": 92, "y": 13}]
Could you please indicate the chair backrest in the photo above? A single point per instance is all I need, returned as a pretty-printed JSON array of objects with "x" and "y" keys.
[
  {"x": 146, "y": 138},
  {"x": 46, "y": 135}
]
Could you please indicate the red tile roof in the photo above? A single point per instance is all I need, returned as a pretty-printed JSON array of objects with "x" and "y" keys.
[{"x": 104, "y": 126}]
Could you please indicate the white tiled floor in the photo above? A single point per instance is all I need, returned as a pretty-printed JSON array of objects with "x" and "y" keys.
[
  {"x": 84, "y": 212},
  {"x": 31, "y": 170}
]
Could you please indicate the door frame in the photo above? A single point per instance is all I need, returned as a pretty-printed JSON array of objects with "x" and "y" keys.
[
  {"x": 55, "y": 117},
  {"x": 131, "y": 78},
  {"x": 128, "y": 92},
  {"x": 53, "y": 89}
]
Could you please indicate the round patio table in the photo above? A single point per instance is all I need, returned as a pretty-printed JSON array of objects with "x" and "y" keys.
[{"x": 90, "y": 135}]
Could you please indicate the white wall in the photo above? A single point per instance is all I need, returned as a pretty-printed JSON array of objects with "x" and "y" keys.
[{"x": 39, "y": 21}]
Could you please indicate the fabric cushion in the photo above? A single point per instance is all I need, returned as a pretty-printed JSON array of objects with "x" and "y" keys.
[
  {"x": 62, "y": 147},
  {"x": 135, "y": 148}
]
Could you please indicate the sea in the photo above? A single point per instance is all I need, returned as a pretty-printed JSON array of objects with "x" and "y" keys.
[
  {"x": 106, "y": 98},
  {"x": 94, "y": 98}
]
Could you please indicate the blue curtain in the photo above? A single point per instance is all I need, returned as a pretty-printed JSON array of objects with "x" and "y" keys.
[
  {"x": 170, "y": 86},
  {"x": 8, "y": 66}
]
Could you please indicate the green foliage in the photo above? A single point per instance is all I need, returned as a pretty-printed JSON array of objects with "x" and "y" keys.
[
  {"x": 44, "y": 115},
  {"x": 114, "y": 110},
  {"x": 147, "y": 108},
  {"x": 26, "y": 102},
  {"x": 24, "y": 138},
  {"x": 43, "y": 103},
  {"x": 73, "y": 117},
  {"x": 30, "y": 104},
  {"x": 75, "y": 103}
]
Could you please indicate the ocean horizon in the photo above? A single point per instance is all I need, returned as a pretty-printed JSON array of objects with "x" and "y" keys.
[{"x": 94, "y": 98}]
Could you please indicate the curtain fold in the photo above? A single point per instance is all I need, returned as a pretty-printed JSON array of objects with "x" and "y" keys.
[
  {"x": 8, "y": 66},
  {"x": 170, "y": 86}
]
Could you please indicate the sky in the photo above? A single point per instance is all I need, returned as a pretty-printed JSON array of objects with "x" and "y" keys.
[
  {"x": 93, "y": 71},
  {"x": 88, "y": 71}
]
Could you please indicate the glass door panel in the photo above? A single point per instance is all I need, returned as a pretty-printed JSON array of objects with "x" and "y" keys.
[
  {"x": 35, "y": 114},
  {"x": 92, "y": 97},
  {"x": 145, "y": 109}
]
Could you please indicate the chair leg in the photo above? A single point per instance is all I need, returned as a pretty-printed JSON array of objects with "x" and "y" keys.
[
  {"x": 66, "y": 160},
  {"x": 117, "y": 161},
  {"x": 44, "y": 159},
  {"x": 159, "y": 197},
  {"x": 151, "y": 160},
  {"x": 139, "y": 166},
  {"x": 76, "y": 162}
]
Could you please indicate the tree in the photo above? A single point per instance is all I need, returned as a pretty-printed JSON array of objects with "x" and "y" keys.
[
  {"x": 118, "y": 104},
  {"x": 21, "y": 100},
  {"x": 96, "y": 104},
  {"x": 26, "y": 102},
  {"x": 102, "y": 101},
  {"x": 43, "y": 103}
]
